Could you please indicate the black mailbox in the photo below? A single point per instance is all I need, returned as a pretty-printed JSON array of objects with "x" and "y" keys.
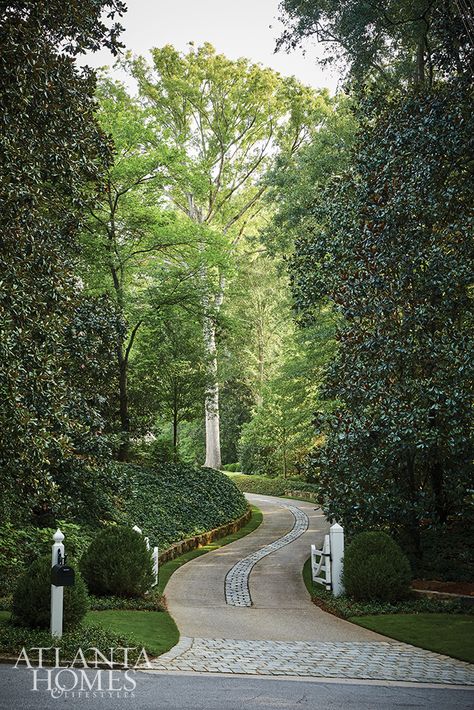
[{"x": 62, "y": 576}]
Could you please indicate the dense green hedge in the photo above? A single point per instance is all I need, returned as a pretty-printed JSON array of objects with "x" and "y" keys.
[
  {"x": 175, "y": 501},
  {"x": 376, "y": 568},
  {"x": 265, "y": 485},
  {"x": 32, "y": 597}
]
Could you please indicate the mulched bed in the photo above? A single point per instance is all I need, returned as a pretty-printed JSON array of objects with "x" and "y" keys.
[{"x": 434, "y": 585}]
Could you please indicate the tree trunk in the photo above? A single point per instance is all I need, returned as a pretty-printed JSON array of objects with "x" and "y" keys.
[
  {"x": 175, "y": 427},
  {"x": 124, "y": 447},
  {"x": 211, "y": 406}
]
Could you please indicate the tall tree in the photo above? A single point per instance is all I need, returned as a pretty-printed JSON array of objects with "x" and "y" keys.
[
  {"x": 169, "y": 373},
  {"x": 392, "y": 251},
  {"x": 131, "y": 234},
  {"x": 393, "y": 40},
  {"x": 52, "y": 159},
  {"x": 225, "y": 119},
  {"x": 388, "y": 244}
]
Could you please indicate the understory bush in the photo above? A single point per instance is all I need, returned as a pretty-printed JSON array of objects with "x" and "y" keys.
[
  {"x": 118, "y": 562},
  {"x": 32, "y": 597},
  {"x": 375, "y": 568},
  {"x": 232, "y": 467},
  {"x": 86, "y": 636}
]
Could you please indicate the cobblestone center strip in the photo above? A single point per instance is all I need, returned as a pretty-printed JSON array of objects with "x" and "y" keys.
[
  {"x": 357, "y": 660},
  {"x": 237, "y": 592}
]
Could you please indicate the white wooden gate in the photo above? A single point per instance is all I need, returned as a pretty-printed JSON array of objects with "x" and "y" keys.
[
  {"x": 326, "y": 564},
  {"x": 321, "y": 564}
]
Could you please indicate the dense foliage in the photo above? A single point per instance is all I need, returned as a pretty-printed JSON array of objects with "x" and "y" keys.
[
  {"x": 118, "y": 562},
  {"x": 175, "y": 501},
  {"x": 275, "y": 486},
  {"x": 387, "y": 243},
  {"x": 375, "y": 568},
  {"x": 32, "y": 597},
  {"x": 391, "y": 249},
  {"x": 19, "y": 547},
  {"x": 52, "y": 157},
  {"x": 391, "y": 40}
]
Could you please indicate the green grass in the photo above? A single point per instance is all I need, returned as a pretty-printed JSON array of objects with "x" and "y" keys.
[
  {"x": 450, "y": 634},
  {"x": 167, "y": 569},
  {"x": 308, "y": 577},
  {"x": 153, "y": 630}
]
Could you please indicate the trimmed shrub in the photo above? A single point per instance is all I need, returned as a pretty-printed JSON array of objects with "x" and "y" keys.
[
  {"x": 32, "y": 597},
  {"x": 233, "y": 467},
  {"x": 375, "y": 568},
  {"x": 118, "y": 562}
]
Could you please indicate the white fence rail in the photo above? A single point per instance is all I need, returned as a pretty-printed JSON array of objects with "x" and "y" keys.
[
  {"x": 154, "y": 555},
  {"x": 326, "y": 564},
  {"x": 321, "y": 564}
]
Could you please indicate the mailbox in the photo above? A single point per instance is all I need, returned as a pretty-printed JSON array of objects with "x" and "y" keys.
[{"x": 62, "y": 576}]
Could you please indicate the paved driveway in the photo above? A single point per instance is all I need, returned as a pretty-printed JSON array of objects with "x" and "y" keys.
[{"x": 244, "y": 609}]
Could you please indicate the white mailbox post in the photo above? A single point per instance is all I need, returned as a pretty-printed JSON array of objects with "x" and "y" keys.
[{"x": 57, "y": 593}]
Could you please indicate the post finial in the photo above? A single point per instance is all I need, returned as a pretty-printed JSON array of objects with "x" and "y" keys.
[{"x": 58, "y": 536}]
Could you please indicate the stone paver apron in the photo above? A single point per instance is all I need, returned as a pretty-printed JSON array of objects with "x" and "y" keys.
[
  {"x": 237, "y": 592},
  {"x": 363, "y": 660},
  {"x": 373, "y": 660}
]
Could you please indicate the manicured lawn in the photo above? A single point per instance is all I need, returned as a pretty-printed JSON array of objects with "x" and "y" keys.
[
  {"x": 167, "y": 569},
  {"x": 153, "y": 630},
  {"x": 451, "y": 634}
]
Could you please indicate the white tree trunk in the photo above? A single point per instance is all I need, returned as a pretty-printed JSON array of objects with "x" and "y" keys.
[{"x": 213, "y": 442}]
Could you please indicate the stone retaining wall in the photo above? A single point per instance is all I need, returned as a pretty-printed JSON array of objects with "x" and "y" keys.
[{"x": 192, "y": 543}]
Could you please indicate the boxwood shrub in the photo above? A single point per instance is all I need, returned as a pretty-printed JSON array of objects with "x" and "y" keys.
[
  {"x": 32, "y": 597},
  {"x": 118, "y": 562},
  {"x": 375, "y": 568}
]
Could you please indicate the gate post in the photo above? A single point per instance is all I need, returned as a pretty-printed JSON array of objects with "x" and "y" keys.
[{"x": 336, "y": 536}]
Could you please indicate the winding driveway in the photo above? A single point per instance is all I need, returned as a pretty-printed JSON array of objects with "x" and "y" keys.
[{"x": 244, "y": 609}]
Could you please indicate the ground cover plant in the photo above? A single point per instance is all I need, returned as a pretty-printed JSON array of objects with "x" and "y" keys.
[
  {"x": 265, "y": 485},
  {"x": 175, "y": 501}
]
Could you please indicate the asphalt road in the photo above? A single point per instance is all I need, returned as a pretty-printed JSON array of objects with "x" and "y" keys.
[{"x": 205, "y": 692}]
